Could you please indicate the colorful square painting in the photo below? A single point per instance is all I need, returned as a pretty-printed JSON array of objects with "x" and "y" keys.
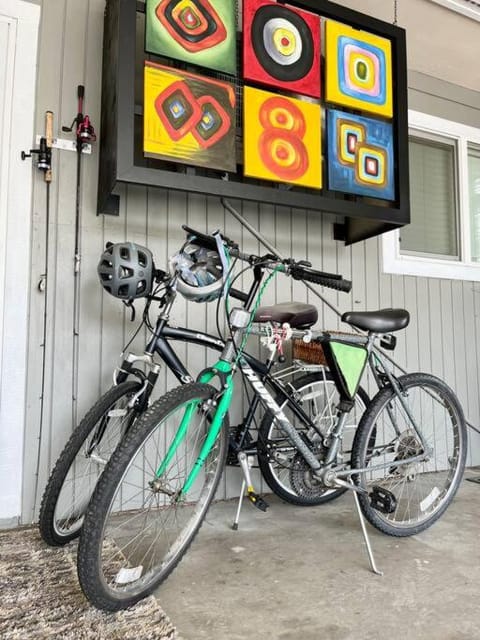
[
  {"x": 188, "y": 118},
  {"x": 281, "y": 47},
  {"x": 201, "y": 32},
  {"x": 358, "y": 69},
  {"x": 360, "y": 155},
  {"x": 282, "y": 138}
]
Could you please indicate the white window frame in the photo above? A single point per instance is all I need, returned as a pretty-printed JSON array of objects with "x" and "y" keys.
[
  {"x": 465, "y": 7},
  {"x": 429, "y": 267}
]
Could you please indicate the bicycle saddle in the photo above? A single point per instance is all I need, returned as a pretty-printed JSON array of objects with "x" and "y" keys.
[
  {"x": 297, "y": 314},
  {"x": 383, "y": 321}
]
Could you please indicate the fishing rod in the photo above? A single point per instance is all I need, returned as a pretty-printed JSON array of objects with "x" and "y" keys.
[
  {"x": 44, "y": 164},
  {"x": 85, "y": 135}
]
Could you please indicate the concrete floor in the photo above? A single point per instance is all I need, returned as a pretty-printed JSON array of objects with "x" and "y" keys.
[{"x": 302, "y": 574}]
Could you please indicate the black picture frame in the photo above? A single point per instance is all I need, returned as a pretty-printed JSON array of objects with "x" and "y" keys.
[{"x": 122, "y": 159}]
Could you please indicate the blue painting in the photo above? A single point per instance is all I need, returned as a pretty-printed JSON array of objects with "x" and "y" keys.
[{"x": 360, "y": 155}]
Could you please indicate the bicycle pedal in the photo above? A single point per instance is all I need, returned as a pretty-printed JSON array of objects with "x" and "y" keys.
[
  {"x": 258, "y": 501},
  {"x": 382, "y": 500}
]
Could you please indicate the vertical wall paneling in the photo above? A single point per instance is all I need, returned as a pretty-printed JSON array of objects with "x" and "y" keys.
[
  {"x": 446, "y": 311},
  {"x": 435, "y": 347},
  {"x": 442, "y": 336},
  {"x": 471, "y": 354}
]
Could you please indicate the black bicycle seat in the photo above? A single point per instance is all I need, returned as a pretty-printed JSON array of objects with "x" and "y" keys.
[
  {"x": 383, "y": 321},
  {"x": 297, "y": 314}
]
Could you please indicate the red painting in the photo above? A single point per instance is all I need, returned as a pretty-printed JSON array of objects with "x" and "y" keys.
[{"x": 281, "y": 47}]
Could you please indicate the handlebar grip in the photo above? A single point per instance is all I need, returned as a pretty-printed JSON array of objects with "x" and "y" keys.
[{"x": 324, "y": 279}]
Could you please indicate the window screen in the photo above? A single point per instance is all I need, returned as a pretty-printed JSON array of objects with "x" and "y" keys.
[
  {"x": 474, "y": 200},
  {"x": 433, "y": 228}
]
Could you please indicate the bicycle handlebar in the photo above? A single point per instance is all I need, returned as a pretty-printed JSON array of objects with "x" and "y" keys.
[
  {"x": 330, "y": 280},
  {"x": 209, "y": 242},
  {"x": 298, "y": 270}
]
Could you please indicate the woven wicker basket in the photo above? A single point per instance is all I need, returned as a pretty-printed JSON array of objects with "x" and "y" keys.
[{"x": 312, "y": 352}]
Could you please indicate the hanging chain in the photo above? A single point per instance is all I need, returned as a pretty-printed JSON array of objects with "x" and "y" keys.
[{"x": 395, "y": 12}]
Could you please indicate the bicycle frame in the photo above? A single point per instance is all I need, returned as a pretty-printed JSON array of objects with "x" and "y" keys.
[
  {"x": 252, "y": 368},
  {"x": 224, "y": 369}
]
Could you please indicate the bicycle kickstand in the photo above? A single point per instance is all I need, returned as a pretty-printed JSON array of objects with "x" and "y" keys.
[
  {"x": 373, "y": 565},
  {"x": 254, "y": 498}
]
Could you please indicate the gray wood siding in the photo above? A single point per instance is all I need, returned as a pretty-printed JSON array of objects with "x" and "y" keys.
[{"x": 442, "y": 337}]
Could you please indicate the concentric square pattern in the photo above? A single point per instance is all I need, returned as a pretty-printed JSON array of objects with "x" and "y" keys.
[
  {"x": 360, "y": 155},
  {"x": 188, "y": 118},
  {"x": 358, "y": 69},
  {"x": 201, "y": 32}
]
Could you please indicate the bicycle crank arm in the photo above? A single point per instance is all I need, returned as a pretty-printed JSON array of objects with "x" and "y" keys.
[{"x": 337, "y": 482}]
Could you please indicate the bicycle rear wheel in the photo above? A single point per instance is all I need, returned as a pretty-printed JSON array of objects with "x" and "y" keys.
[
  {"x": 81, "y": 462},
  {"x": 387, "y": 437},
  {"x": 283, "y": 468},
  {"x": 139, "y": 524}
]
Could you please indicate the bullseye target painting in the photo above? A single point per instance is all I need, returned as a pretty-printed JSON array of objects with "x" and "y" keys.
[
  {"x": 358, "y": 69},
  {"x": 188, "y": 118},
  {"x": 282, "y": 138},
  {"x": 281, "y": 47},
  {"x": 201, "y": 32},
  {"x": 360, "y": 155}
]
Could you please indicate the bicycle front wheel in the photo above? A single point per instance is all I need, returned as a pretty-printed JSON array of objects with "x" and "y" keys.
[
  {"x": 140, "y": 523},
  {"x": 283, "y": 468},
  {"x": 429, "y": 428},
  {"x": 82, "y": 461}
]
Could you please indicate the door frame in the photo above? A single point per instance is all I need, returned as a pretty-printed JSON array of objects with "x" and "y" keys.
[{"x": 23, "y": 19}]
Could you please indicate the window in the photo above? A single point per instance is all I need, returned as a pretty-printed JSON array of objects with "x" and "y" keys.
[
  {"x": 443, "y": 239},
  {"x": 474, "y": 200}
]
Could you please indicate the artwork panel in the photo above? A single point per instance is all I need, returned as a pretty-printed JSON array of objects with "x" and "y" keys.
[
  {"x": 281, "y": 47},
  {"x": 201, "y": 32},
  {"x": 358, "y": 69},
  {"x": 188, "y": 118},
  {"x": 360, "y": 155},
  {"x": 282, "y": 139}
]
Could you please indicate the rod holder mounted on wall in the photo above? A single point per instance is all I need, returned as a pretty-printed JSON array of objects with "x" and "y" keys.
[{"x": 44, "y": 151}]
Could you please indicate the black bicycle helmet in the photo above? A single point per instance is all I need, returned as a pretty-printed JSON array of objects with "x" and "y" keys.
[
  {"x": 126, "y": 270},
  {"x": 200, "y": 273}
]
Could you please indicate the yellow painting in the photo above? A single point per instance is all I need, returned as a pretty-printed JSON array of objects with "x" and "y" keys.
[
  {"x": 358, "y": 69},
  {"x": 188, "y": 118},
  {"x": 282, "y": 138}
]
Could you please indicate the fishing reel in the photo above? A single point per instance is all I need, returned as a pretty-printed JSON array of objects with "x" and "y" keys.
[
  {"x": 44, "y": 153},
  {"x": 85, "y": 132}
]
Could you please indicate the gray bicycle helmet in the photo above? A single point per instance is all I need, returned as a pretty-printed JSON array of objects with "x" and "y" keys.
[
  {"x": 126, "y": 270},
  {"x": 200, "y": 273}
]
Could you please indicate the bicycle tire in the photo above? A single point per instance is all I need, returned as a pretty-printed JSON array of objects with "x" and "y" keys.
[
  {"x": 423, "y": 490},
  {"x": 60, "y": 524},
  {"x": 134, "y": 511},
  {"x": 299, "y": 487}
]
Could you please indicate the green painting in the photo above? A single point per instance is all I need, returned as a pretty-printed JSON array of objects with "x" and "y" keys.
[{"x": 201, "y": 32}]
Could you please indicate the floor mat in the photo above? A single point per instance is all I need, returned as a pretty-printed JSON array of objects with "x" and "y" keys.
[{"x": 41, "y": 598}]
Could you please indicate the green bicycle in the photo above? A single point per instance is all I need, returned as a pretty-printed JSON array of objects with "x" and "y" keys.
[{"x": 407, "y": 460}]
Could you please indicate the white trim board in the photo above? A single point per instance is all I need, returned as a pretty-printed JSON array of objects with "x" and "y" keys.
[{"x": 20, "y": 22}]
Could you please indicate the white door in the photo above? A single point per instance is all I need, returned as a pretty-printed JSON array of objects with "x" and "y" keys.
[{"x": 18, "y": 52}]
